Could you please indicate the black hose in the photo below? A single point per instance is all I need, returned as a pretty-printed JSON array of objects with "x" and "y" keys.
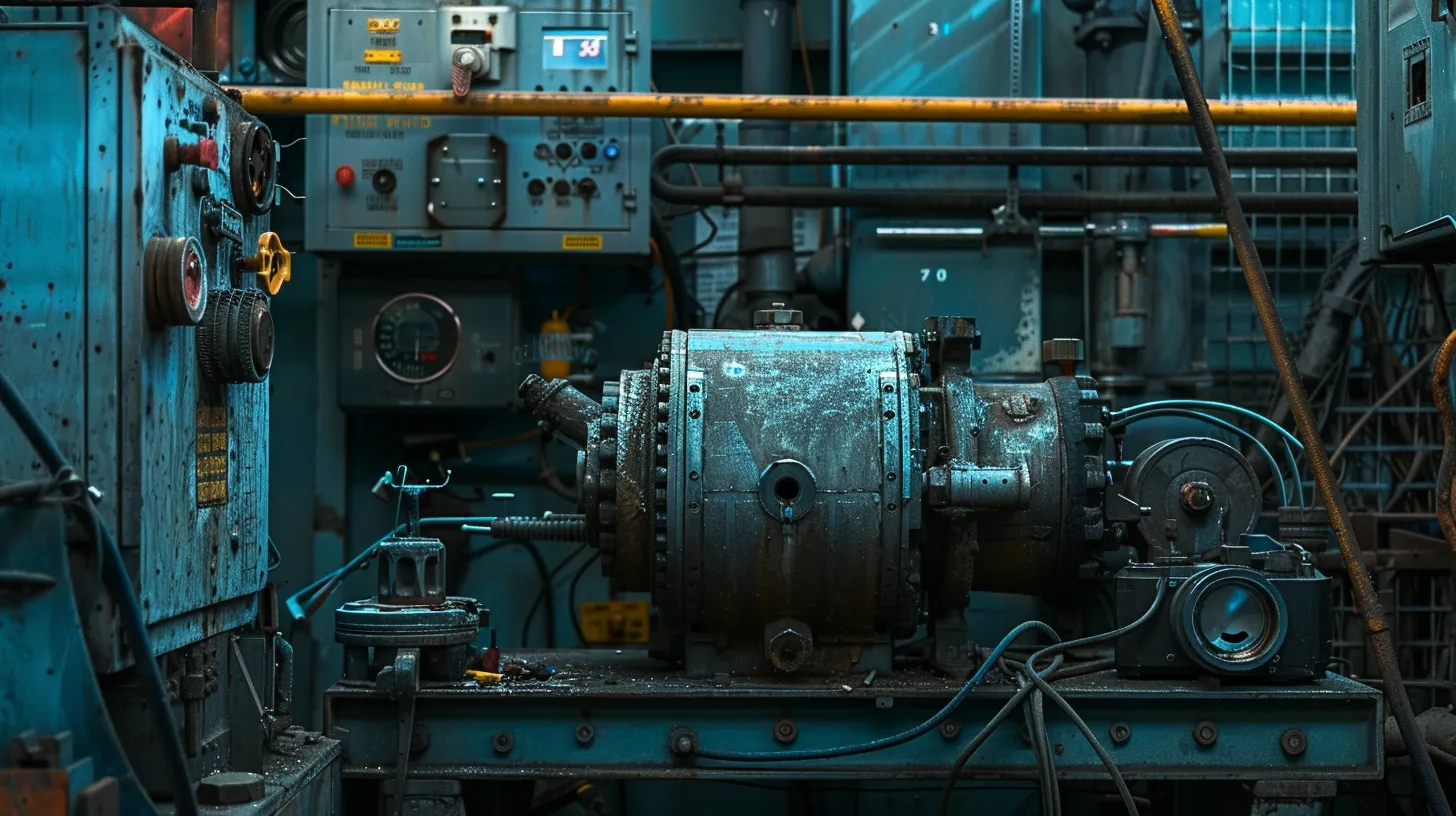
[
  {"x": 541, "y": 572},
  {"x": 684, "y": 306},
  {"x": 571, "y": 596},
  {"x": 1029, "y": 155},
  {"x": 547, "y": 592},
  {"x": 117, "y": 582},
  {"x": 914, "y": 201},
  {"x": 551, "y": 527}
]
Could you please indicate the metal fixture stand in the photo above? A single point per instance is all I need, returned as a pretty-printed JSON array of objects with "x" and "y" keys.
[{"x": 1378, "y": 632}]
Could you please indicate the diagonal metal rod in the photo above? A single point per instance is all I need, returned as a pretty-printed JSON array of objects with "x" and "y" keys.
[{"x": 1377, "y": 632}]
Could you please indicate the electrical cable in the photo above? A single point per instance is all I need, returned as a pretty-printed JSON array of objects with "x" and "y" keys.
[
  {"x": 1378, "y": 633},
  {"x": 541, "y": 572},
  {"x": 1054, "y": 652},
  {"x": 118, "y": 584},
  {"x": 571, "y": 596},
  {"x": 890, "y": 741},
  {"x": 547, "y": 592},
  {"x": 1441, "y": 390},
  {"x": 1232, "y": 428},
  {"x": 1208, "y": 405},
  {"x": 803, "y": 47},
  {"x": 672, "y": 273}
]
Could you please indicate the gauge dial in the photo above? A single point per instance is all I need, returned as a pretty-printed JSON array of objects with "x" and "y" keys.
[{"x": 416, "y": 338}]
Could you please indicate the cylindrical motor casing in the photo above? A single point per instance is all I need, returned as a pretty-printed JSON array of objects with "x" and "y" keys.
[
  {"x": 789, "y": 494},
  {"x": 829, "y": 483}
]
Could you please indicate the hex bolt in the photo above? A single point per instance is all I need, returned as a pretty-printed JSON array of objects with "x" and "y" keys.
[
  {"x": 1197, "y": 497},
  {"x": 585, "y": 733},
  {"x": 1120, "y": 732},
  {"x": 785, "y": 731},
  {"x": 682, "y": 741},
  {"x": 503, "y": 742},
  {"x": 1293, "y": 742},
  {"x": 1205, "y": 733}
]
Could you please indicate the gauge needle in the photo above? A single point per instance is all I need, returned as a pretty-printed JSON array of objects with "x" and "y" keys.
[{"x": 417, "y": 347}]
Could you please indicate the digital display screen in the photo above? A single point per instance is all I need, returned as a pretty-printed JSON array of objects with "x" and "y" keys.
[{"x": 574, "y": 49}]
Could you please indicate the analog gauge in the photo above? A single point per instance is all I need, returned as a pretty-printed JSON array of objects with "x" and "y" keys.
[{"x": 416, "y": 338}]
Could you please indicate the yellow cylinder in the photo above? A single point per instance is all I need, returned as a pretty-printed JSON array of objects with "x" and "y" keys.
[{"x": 556, "y": 348}]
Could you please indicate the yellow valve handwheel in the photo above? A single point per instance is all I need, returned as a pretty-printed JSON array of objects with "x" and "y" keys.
[{"x": 273, "y": 264}]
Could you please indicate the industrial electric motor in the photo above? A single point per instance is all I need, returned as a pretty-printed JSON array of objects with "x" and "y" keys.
[{"x": 801, "y": 499}]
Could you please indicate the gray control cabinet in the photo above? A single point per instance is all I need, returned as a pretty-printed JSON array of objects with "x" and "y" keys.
[
  {"x": 512, "y": 185},
  {"x": 1407, "y": 103},
  {"x": 472, "y": 357}
]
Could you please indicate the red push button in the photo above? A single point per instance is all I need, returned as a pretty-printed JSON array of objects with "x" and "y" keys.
[{"x": 344, "y": 175}]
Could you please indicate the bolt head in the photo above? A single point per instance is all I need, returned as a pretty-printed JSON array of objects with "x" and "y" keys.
[{"x": 1196, "y": 497}]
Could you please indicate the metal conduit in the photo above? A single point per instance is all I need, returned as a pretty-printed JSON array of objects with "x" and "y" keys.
[{"x": 296, "y": 101}]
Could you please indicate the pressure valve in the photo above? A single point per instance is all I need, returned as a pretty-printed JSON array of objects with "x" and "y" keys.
[{"x": 273, "y": 264}]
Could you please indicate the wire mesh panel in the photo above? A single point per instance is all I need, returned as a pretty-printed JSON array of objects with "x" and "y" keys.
[{"x": 1365, "y": 337}]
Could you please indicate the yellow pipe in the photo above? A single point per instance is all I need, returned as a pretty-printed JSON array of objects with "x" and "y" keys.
[
  {"x": 1188, "y": 230},
  {"x": 284, "y": 100}
]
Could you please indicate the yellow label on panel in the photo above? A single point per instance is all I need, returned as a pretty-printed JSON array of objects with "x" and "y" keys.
[
  {"x": 383, "y": 25},
  {"x": 616, "y": 621},
  {"x": 377, "y": 57},
  {"x": 373, "y": 240},
  {"x": 212, "y": 449},
  {"x": 581, "y": 242}
]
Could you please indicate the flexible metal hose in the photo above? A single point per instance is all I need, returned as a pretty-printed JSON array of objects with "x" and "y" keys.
[
  {"x": 1441, "y": 390},
  {"x": 1377, "y": 631}
]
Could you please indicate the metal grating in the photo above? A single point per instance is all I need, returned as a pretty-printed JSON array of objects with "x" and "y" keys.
[{"x": 1374, "y": 402}]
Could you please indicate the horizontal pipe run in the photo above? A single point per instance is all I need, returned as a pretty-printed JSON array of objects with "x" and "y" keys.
[
  {"x": 263, "y": 100},
  {"x": 921, "y": 201},
  {"x": 1000, "y": 156},
  {"x": 1045, "y": 232}
]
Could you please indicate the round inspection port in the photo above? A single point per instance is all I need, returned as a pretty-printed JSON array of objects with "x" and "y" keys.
[
  {"x": 384, "y": 181},
  {"x": 562, "y": 188},
  {"x": 563, "y": 151},
  {"x": 536, "y": 188},
  {"x": 588, "y": 150}
]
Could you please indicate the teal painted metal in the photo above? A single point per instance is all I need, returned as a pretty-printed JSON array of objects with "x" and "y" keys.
[
  {"x": 945, "y": 49},
  {"x": 91, "y": 103},
  {"x": 49, "y": 682},
  {"x": 632, "y": 707}
]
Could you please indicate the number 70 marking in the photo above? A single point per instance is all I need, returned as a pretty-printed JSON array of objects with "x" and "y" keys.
[{"x": 940, "y": 275}]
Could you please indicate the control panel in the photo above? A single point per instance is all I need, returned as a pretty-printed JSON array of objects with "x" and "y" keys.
[
  {"x": 444, "y": 344},
  {"x": 1407, "y": 180},
  {"x": 136, "y": 287},
  {"x": 516, "y": 185}
]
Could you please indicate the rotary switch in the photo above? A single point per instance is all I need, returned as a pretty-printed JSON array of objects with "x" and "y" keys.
[{"x": 235, "y": 340}]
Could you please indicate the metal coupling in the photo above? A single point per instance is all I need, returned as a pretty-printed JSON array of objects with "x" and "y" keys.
[{"x": 961, "y": 484}]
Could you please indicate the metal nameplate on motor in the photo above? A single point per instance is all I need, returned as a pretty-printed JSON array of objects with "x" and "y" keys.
[{"x": 616, "y": 621}]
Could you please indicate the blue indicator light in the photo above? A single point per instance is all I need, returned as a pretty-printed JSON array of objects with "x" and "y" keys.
[{"x": 611, "y": 151}]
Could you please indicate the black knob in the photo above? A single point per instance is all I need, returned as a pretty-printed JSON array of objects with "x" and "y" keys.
[
  {"x": 235, "y": 339},
  {"x": 536, "y": 187},
  {"x": 384, "y": 181},
  {"x": 562, "y": 188},
  {"x": 563, "y": 151},
  {"x": 588, "y": 150},
  {"x": 586, "y": 187}
]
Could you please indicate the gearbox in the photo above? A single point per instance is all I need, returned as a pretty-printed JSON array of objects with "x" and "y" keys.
[{"x": 799, "y": 500}]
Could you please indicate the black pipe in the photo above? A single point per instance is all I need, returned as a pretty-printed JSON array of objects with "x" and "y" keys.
[
  {"x": 564, "y": 408},
  {"x": 910, "y": 200},
  {"x": 1377, "y": 630},
  {"x": 118, "y": 583},
  {"x": 1029, "y": 156}
]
